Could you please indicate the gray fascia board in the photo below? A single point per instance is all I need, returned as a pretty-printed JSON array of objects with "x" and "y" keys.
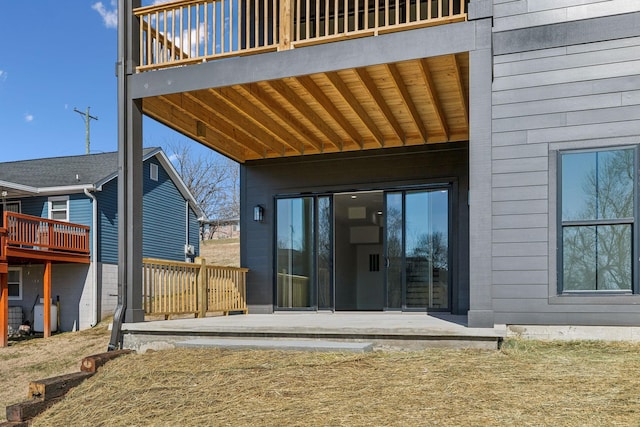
[
  {"x": 567, "y": 33},
  {"x": 362, "y": 52}
]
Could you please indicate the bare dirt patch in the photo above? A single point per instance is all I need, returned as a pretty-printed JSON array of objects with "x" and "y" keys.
[
  {"x": 525, "y": 383},
  {"x": 221, "y": 252},
  {"x": 37, "y": 358}
]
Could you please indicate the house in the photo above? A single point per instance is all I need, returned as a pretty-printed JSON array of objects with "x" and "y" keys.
[
  {"x": 82, "y": 192},
  {"x": 474, "y": 157}
]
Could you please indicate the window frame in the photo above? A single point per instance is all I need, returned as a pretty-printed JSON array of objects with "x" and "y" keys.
[
  {"x": 631, "y": 221},
  {"x": 154, "y": 172},
  {"x": 19, "y": 283},
  {"x": 51, "y": 210}
]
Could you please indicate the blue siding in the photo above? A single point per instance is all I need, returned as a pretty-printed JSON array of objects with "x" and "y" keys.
[
  {"x": 163, "y": 231},
  {"x": 164, "y": 224},
  {"x": 194, "y": 231},
  {"x": 36, "y": 206},
  {"x": 108, "y": 222}
]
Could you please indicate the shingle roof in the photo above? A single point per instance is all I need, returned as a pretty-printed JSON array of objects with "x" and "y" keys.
[{"x": 62, "y": 171}]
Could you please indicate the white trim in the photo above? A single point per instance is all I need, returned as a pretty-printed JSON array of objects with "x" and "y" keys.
[
  {"x": 50, "y": 207},
  {"x": 19, "y": 297},
  {"x": 153, "y": 172}
]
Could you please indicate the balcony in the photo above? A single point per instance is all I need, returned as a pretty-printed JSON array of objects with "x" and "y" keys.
[
  {"x": 31, "y": 238},
  {"x": 377, "y": 105}
]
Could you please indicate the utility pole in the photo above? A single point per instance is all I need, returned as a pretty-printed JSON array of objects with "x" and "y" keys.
[{"x": 87, "y": 119}]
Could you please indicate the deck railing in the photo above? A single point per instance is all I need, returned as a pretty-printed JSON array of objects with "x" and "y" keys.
[
  {"x": 172, "y": 288},
  {"x": 32, "y": 232},
  {"x": 190, "y": 31},
  {"x": 3, "y": 240}
]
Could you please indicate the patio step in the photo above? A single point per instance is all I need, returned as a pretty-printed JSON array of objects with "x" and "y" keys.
[{"x": 277, "y": 344}]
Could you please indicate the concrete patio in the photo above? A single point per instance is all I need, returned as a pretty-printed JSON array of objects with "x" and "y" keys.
[{"x": 384, "y": 330}]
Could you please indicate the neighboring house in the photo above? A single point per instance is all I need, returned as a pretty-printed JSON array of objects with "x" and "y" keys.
[
  {"x": 473, "y": 157},
  {"x": 222, "y": 229},
  {"x": 82, "y": 190}
]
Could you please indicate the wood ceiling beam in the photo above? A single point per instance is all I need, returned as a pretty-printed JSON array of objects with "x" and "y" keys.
[
  {"x": 176, "y": 119},
  {"x": 356, "y": 106},
  {"x": 321, "y": 98},
  {"x": 433, "y": 97},
  {"x": 393, "y": 71},
  {"x": 375, "y": 94},
  {"x": 215, "y": 103},
  {"x": 298, "y": 103},
  {"x": 215, "y": 122},
  {"x": 257, "y": 95},
  {"x": 462, "y": 93},
  {"x": 244, "y": 107}
]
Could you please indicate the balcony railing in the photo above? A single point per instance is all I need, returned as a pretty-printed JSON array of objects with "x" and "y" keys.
[
  {"x": 35, "y": 233},
  {"x": 174, "y": 288},
  {"x": 190, "y": 31}
]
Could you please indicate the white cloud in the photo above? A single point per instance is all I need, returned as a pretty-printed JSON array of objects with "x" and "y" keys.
[
  {"x": 109, "y": 16},
  {"x": 28, "y": 117},
  {"x": 3, "y": 76}
]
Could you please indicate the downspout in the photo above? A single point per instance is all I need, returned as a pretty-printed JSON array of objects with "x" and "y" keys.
[
  {"x": 187, "y": 254},
  {"x": 94, "y": 254}
]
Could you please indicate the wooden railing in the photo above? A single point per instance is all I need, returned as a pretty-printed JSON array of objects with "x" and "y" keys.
[
  {"x": 190, "y": 31},
  {"x": 32, "y": 232},
  {"x": 171, "y": 288},
  {"x": 293, "y": 290}
]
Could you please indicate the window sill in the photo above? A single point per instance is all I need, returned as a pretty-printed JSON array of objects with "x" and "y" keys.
[{"x": 596, "y": 299}]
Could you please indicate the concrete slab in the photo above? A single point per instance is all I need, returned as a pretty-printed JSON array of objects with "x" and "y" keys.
[
  {"x": 299, "y": 345},
  {"x": 385, "y": 330}
]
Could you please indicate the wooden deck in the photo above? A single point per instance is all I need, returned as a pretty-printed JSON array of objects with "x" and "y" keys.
[
  {"x": 31, "y": 239},
  {"x": 379, "y": 106}
]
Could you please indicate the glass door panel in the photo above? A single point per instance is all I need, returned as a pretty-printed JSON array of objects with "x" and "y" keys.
[
  {"x": 325, "y": 253},
  {"x": 295, "y": 227},
  {"x": 427, "y": 249},
  {"x": 394, "y": 249}
]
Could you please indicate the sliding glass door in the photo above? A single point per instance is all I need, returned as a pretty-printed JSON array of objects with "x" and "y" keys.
[
  {"x": 417, "y": 249},
  {"x": 294, "y": 240}
]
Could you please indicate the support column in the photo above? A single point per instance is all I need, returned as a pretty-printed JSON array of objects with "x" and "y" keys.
[
  {"x": 4, "y": 309},
  {"x": 480, "y": 272},
  {"x": 130, "y": 169},
  {"x": 46, "y": 327}
]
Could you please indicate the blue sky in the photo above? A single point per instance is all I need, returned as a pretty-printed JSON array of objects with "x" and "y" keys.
[{"x": 57, "y": 56}]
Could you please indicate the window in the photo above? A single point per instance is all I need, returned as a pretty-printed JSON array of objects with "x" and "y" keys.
[
  {"x": 15, "y": 283},
  {"x": 59, "y": 208},
  {"x": 153, "y": 171},
  {"x": 598, "y": 220},
  {"x": 10, "y": 207}
]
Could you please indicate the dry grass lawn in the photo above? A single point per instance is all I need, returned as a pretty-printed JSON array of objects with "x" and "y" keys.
[
  {"x": 525, "y": 383},
  {"x": 222, "y": 252},
  {"x": 37, "y": 358}
]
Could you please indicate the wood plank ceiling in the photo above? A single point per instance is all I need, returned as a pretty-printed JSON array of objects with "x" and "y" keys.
[{"x": 389, "y": 105}]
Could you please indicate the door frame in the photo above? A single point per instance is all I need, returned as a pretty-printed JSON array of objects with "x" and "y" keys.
[{"x": 448, "y": 183}]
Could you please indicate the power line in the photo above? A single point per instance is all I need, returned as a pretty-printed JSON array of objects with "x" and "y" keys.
[{"x": 87, "y": 119}]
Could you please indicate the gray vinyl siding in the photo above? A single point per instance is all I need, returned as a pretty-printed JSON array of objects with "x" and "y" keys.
[
  {"x": 513, "y": 14},
  {"x": 544, "y": 100}
]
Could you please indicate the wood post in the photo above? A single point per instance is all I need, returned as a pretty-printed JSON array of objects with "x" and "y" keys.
[
  {"x": 4, "y": 309},
  {"x": 46, "y": 327},
  {"x": 203, "y": 297},
  {"x": 286, "y": 25}
]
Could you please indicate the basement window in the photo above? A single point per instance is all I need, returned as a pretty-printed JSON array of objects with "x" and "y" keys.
[{"x": 15, "y": 283}]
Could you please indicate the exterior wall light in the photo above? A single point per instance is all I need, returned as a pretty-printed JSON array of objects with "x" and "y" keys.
[{"x": 258, "y": 213}]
